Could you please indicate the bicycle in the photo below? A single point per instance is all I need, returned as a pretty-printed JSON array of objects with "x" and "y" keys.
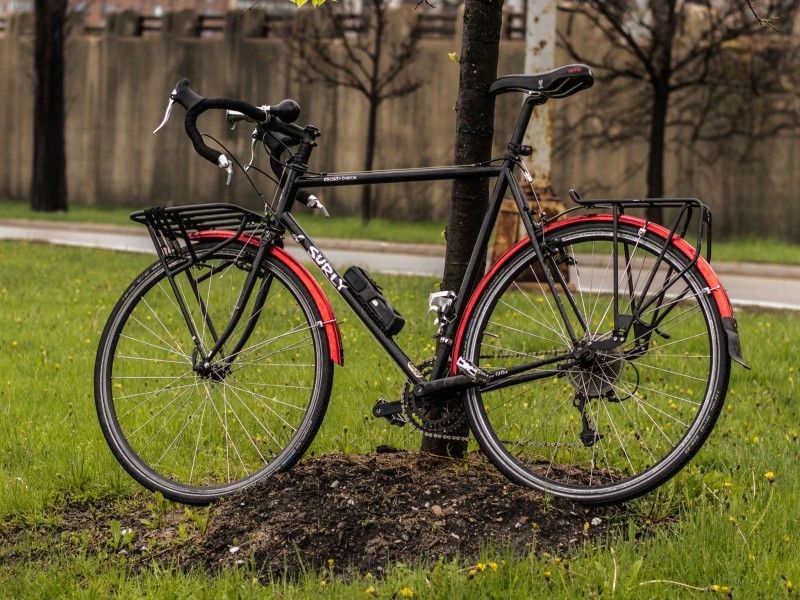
[{"x": 591, "y": 359}]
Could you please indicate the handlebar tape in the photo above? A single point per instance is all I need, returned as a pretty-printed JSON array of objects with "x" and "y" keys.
[{"x": 196, "y": 105}]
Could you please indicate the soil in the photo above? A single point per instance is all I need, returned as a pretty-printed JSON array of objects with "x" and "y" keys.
[{"x": 365, "y": 513}]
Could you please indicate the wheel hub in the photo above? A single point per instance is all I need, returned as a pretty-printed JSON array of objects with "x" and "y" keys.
[
  {"x": 598, "y": 371},
  {"x": 213, "y": 372}
]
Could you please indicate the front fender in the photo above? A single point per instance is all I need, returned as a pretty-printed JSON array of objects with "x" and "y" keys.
[
  {"x": 712, "y": 281},
  {"x": 323, "y": 305}
]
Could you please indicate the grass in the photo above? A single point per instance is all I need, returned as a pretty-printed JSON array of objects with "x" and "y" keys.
[
  {"x": 750, "y": 249},
  {"x": 727, "y": 522}
]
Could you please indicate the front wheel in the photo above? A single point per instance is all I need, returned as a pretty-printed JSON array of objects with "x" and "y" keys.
[
  {"x": 195, "y": 431},
  {"x": 604, "y": 421}
]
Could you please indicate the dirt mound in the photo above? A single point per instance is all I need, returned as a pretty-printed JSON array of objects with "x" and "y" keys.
[
  {"x": 365, "y": 513},
  {"x": 368, "y": 512}
]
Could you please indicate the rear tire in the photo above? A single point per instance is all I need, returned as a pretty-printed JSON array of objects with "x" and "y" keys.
[
  {"x": 196, "y": 434},
  {"x": 623, "y": 421}
]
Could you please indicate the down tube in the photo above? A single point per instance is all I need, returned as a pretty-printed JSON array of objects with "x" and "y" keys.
[{"x": 394, "y": 351}]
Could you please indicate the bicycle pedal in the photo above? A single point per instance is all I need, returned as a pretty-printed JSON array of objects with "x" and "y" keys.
[
  {"x": 476, "y": 374},
  {"x": 391, "y": 411}
]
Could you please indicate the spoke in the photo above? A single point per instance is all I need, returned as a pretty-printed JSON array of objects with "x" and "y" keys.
[
  {"x": 197, "y": 442},
  {"x": 152, "y": 395},
  {"x": 684, "y": 375},
  {"x": 257, "y": 420}
]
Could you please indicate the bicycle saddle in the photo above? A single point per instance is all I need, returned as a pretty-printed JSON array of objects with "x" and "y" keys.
[{"x": 558, "y": 83}]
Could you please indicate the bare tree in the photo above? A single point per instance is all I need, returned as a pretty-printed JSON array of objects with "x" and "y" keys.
[
  {"x": 371, "y": 58},
  {"x": 658, "y": 54},
  {"x": 49, "y": 179}
]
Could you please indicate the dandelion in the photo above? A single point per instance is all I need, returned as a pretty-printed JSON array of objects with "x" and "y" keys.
[
  {"x": 493, "y": 566},
  {"x": 547, "y": 574},
  {"x": 330, "y": 560},
  {"x": 472, "y": 573},
  {"x": 481, "y": 567},
  {"x": 323, "y": 583},
  {"x": 406, "y": 592},
  {"x": 770, "y": 476},
  {"x": 721, "y": 589},
  {"x": 370, "y": 591},
  {"x": 789, "y": 586}
]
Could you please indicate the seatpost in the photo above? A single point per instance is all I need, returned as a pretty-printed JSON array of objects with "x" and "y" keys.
[{"x": 515, "y": 145}]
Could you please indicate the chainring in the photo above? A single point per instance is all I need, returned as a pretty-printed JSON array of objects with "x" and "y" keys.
[{"x": 434, "y": 420}]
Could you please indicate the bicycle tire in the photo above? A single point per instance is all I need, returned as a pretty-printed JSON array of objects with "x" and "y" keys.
[
  {"x": 198, "y": 436},
  {"x": 649, "y": 405}
]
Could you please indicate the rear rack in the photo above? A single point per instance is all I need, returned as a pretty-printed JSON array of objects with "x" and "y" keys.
[{"x": 172, "y": 230}]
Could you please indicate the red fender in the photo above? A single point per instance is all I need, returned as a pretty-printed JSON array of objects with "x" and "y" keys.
[
  {"x": 324, "y": 307},
  {"x": 712, "y": 281}
]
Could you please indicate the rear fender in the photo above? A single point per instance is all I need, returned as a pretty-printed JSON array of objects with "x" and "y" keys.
[
  {"x": 712, "y": 281},
  {"x": 323, "y": 305}
]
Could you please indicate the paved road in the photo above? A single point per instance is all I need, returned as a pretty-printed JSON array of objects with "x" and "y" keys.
[{"x": 748, "y": 284}]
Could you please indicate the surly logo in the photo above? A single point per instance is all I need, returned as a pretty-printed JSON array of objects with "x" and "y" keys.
[{"x": 326, "y": 268}]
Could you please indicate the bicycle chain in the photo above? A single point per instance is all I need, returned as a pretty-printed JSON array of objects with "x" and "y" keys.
[{"x": 425, "y": 431}]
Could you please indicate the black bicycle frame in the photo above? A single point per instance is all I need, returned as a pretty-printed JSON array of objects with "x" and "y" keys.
[{"x": 295, "y": 178}]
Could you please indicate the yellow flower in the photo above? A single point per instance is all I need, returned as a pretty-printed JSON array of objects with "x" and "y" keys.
[
  {"x": 770, "y": 476},
  {"x": 330, "y": 562},
  {"x": 493, "y": 566},
  {"x": 547, "y": 574},
  {"x": 370, "y": 591},
  {"x": 406, "y": 592},
  {"x": 472, "y": 573},
  {"x": 323, "y": 583}
]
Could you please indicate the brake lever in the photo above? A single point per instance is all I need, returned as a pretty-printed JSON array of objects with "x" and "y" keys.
[
  {"x": 253, "y": 144},
  {"x": 170, "y": 105}
]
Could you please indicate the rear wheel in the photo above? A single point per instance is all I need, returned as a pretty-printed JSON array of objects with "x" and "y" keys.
[
  {"x": 197, "y": 432},
  {"x": 605, "y": 421}
]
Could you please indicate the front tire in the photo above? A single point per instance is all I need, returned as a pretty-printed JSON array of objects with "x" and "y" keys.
[{"x": 196, "y": 434}]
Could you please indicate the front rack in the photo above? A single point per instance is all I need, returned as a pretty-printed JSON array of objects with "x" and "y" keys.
[{"x": 173, "y": 230}]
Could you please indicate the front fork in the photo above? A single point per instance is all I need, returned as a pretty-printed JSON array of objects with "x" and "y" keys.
[{"x": 204, "y": 359}]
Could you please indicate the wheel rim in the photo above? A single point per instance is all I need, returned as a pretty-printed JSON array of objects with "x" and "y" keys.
[{"x": 620, "y": 421}]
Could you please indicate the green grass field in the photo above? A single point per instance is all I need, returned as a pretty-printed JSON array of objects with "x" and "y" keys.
[{"x": 727, "y": 524}]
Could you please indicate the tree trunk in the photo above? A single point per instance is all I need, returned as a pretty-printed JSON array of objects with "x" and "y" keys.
[
  {"x": 665, "y": 25},
  {"x": 655, "y": 155},
  {"x": 369, "y": 155},
  {"x": 373, "y": 98},
  {"x": 480, "y": 50},
  {"x": 49, "y": 180}
]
